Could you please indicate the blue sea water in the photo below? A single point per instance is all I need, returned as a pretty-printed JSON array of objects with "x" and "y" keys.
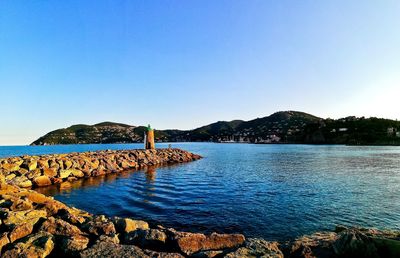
[{"x": 273, "y": 191}]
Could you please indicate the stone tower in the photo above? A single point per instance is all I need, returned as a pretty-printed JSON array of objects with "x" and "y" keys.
[{"x": 149, "y": 139}]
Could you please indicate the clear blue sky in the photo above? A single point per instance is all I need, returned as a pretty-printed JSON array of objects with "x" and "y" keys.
[{"x": 183, "y": 64}]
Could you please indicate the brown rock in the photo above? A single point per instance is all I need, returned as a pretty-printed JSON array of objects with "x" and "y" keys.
[
  {"x": 11, "y": 167},
  {"x": 33, "y": 173},
  {"x": 43, "y": 163},
  {"x": 37, "y": 245},
  {"x": 37, "y": 197},
  {"x": 109, "y": 249},
  {"x": 99, "y": 225},
  {"x": 150, "y": 238},
  {"x": 50, "y": 172},
  {"x": 257, "y": 248},
  {"x": 20, "y": 231},
  {"x": 21, "y": 205},
  {"x": 190, "y": 243},
  {"x": 129, "y": 225},
  {"x": 22, "y": 181},
  {"x": 74, "y": 244},
  {"x": 42, "y": 181},
  {"x": 77, "y": 173},
  {"x": 52, "y": 206},
  {"x": 18, "y": 217},
  {"x": 59, "y": 227},
  {"x": 3, "y": 240}
]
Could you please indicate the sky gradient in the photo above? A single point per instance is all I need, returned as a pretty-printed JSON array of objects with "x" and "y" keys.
[{"x": 184, "y": 64}]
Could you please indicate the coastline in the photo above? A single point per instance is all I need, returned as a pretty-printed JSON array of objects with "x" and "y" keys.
[{"x": 35, "y": 225}]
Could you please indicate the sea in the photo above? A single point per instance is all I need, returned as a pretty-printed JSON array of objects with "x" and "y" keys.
[{"x": 277, "y": 192}]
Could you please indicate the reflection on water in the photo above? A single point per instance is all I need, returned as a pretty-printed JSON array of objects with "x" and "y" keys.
[
  {"x": 270, "y": 191},
  {"x": 67, "y": 187}
]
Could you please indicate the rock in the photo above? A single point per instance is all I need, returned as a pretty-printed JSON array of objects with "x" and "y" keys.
[
  {"x": 43, "y": 163},
  {"x": 33, "y": 173},
  {"x": 22, "y": 181},
  {"x": 18, "y": 217},
  {"x": 64, "y": 173},
  {"x": 353, "y": 243},
  {"x": 150, "y": 238},
  {"x": 154, "y": 254},
  {"x": 210, "y": 254},
  {"x": 32, "y": 165},
  {"x": 68, "y": 164},
  {"x": 10, "y": 177},
  {"x": 318, "y": 244},
  {"x": 108, "y": 249},
  {"x": 37, "y": 197},
  {"x": 50, "y": 172},
  {"x": 42, "y": 181},
  {"x": 37, "y": 245},
  {"x": 109, "y": 238},
  {"x": 3, "y": 240},
  {"x": 21, "y": 205},
  {"x": 10, "y": 167},
  {"x": 52, "y": 207},
  {"x": 129, "y": 225},
  {"x": 257, "y": 248},
  {"x": 59, "y": 227},
  {"x": 389, "y": 248},
  {"x": 190, "y": 243},
  {"x": 77, "y": 173},
  {"x": 99, "y": 225},
  {"x": 72, "y": 217},
  {"x": 20, "y": 231},
  {"x": 73, "y": 244}
]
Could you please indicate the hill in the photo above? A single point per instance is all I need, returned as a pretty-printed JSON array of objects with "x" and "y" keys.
[{"x": 280, "y": 127}]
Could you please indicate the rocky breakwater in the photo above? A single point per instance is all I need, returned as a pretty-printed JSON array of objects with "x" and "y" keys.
[{"x": 27, "y": 171}]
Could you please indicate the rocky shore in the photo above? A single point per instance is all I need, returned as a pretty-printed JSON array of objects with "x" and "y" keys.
[
  {"x": 36, "y": 171},
  {"x": 35, "y": 225}
]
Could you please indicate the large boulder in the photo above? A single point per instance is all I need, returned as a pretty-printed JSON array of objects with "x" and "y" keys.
[
  {"x": 21, "y": 205},
  {"x": 36, "y": 197},
  {"x": 257, "y": 248},
  {"x": 74, "y": 244},
  {"x": 20, "y": 231},
  {"x": 150, "y": 238},
  {"x": 42, "y": 181},
  {"x": 64, "y": 173},
  {"x": 125, "y": 225},
  {"x": 353, "y": 243},
  {"x": 29, "y": 216},
  {"x": 60, "y": 228},
  {"x": 99, "y": 225},
  {"x": 109, "y": 249},
  {"x": 22, "y": 181},
  {"x": 190, "y": 243},
  {"x": 37, "y": 245},
  {"x": 50, "y": 172}
]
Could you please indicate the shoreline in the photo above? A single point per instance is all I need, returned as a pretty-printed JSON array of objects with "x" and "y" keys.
[{"x": 35, "y": 225}]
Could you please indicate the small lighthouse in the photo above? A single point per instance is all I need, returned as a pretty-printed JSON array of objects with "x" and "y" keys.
[{"x": 149, "y": 139}]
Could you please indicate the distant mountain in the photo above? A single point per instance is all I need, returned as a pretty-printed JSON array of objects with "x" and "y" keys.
[{"x": 280, "y": 127}]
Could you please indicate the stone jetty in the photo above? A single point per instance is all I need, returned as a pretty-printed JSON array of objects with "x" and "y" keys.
[
  {"x": 35, "y": 225},
  {"x": 36, "y": 171}
]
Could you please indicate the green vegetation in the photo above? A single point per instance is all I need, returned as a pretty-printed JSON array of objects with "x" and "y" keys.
[{"x": 280, "y": 127}]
